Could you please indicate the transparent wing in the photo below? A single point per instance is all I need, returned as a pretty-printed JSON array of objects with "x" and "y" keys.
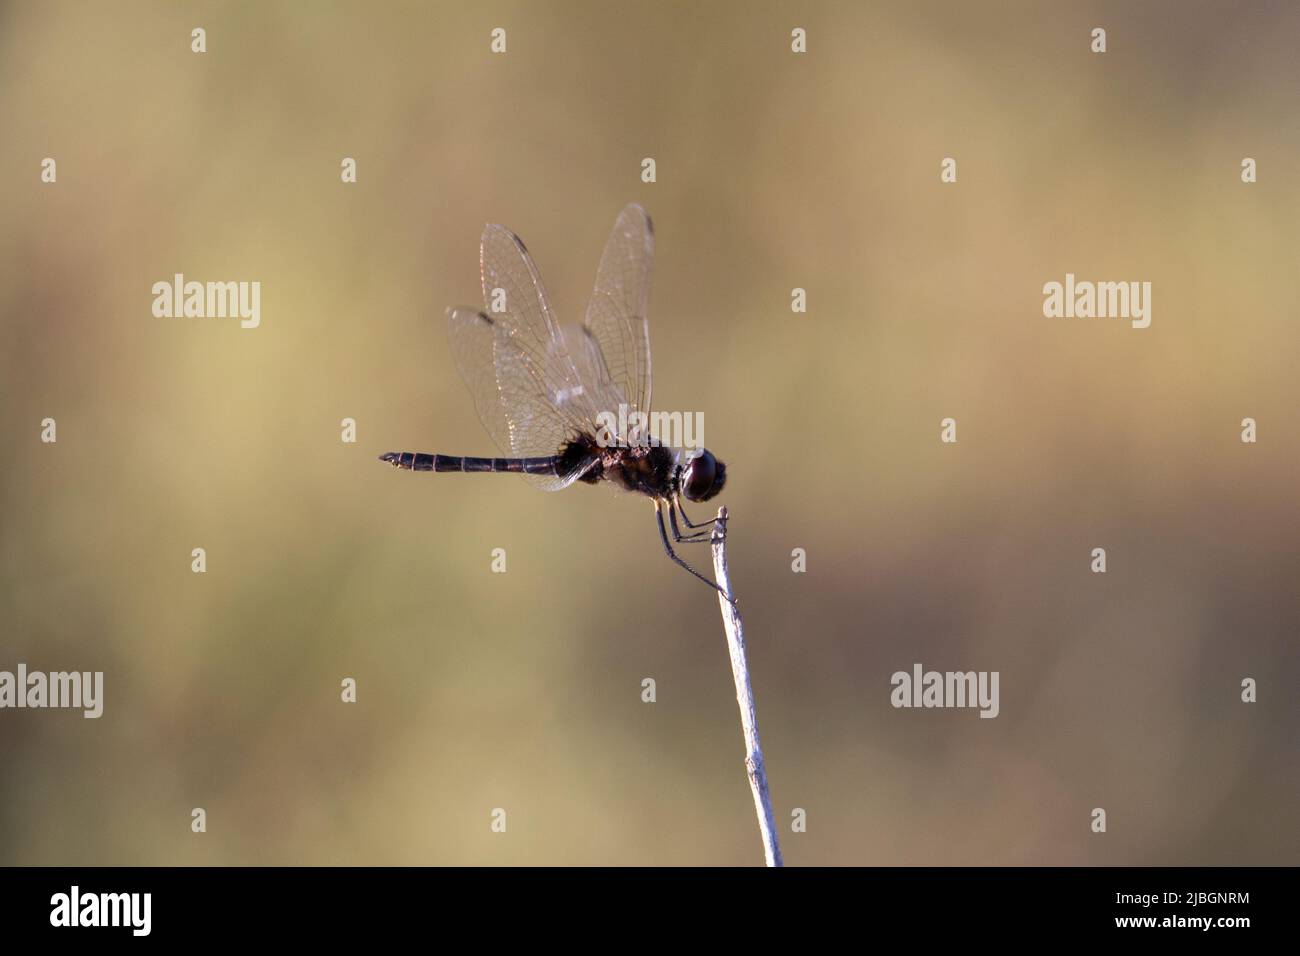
[
  {"x": 517, "y": 301},
  {"x": 617, "y": 326},
  {"x": 512, "y": 287},
  {"x": 519, "y": 394}
]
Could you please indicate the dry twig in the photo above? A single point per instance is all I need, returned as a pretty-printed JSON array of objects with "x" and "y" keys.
[{"x": 744, "y": 694}]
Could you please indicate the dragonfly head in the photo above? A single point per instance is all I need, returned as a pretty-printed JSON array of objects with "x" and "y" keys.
[{"x": 703, "y": 476}]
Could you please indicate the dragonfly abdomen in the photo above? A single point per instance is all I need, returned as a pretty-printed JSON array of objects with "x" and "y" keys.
[{"x": 423, "y": 461}]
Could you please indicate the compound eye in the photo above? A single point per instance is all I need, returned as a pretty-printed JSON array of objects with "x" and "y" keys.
[{"x": 700, "y": 475}]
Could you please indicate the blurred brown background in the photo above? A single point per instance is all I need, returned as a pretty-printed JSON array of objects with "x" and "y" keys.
[{"x": 522, "y": 690}]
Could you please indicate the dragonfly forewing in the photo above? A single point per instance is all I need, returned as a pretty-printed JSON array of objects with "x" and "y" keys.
[{"x": 617, "y": 320}]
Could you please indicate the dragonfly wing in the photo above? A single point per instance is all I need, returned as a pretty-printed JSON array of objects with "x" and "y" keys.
[
  {"x": 617, "y": 322},
  {"x": 519, "y": 398},
  {"x": 536, "y": 388},
  {"x": 517, "y": 300},
  {"x": 512, "y": 286}
]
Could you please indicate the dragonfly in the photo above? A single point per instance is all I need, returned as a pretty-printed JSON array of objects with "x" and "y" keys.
[{"x": 548, "y": 394}]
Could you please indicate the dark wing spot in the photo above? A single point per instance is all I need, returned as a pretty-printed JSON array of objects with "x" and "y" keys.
[{"x": 486, "y": 318}]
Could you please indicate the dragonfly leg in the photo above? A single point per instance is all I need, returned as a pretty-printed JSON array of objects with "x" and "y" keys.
[
  {"x": 668, "y": 550},
  {"x": 689, "y": 522},
  {"x": 695, "y": 537}
]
